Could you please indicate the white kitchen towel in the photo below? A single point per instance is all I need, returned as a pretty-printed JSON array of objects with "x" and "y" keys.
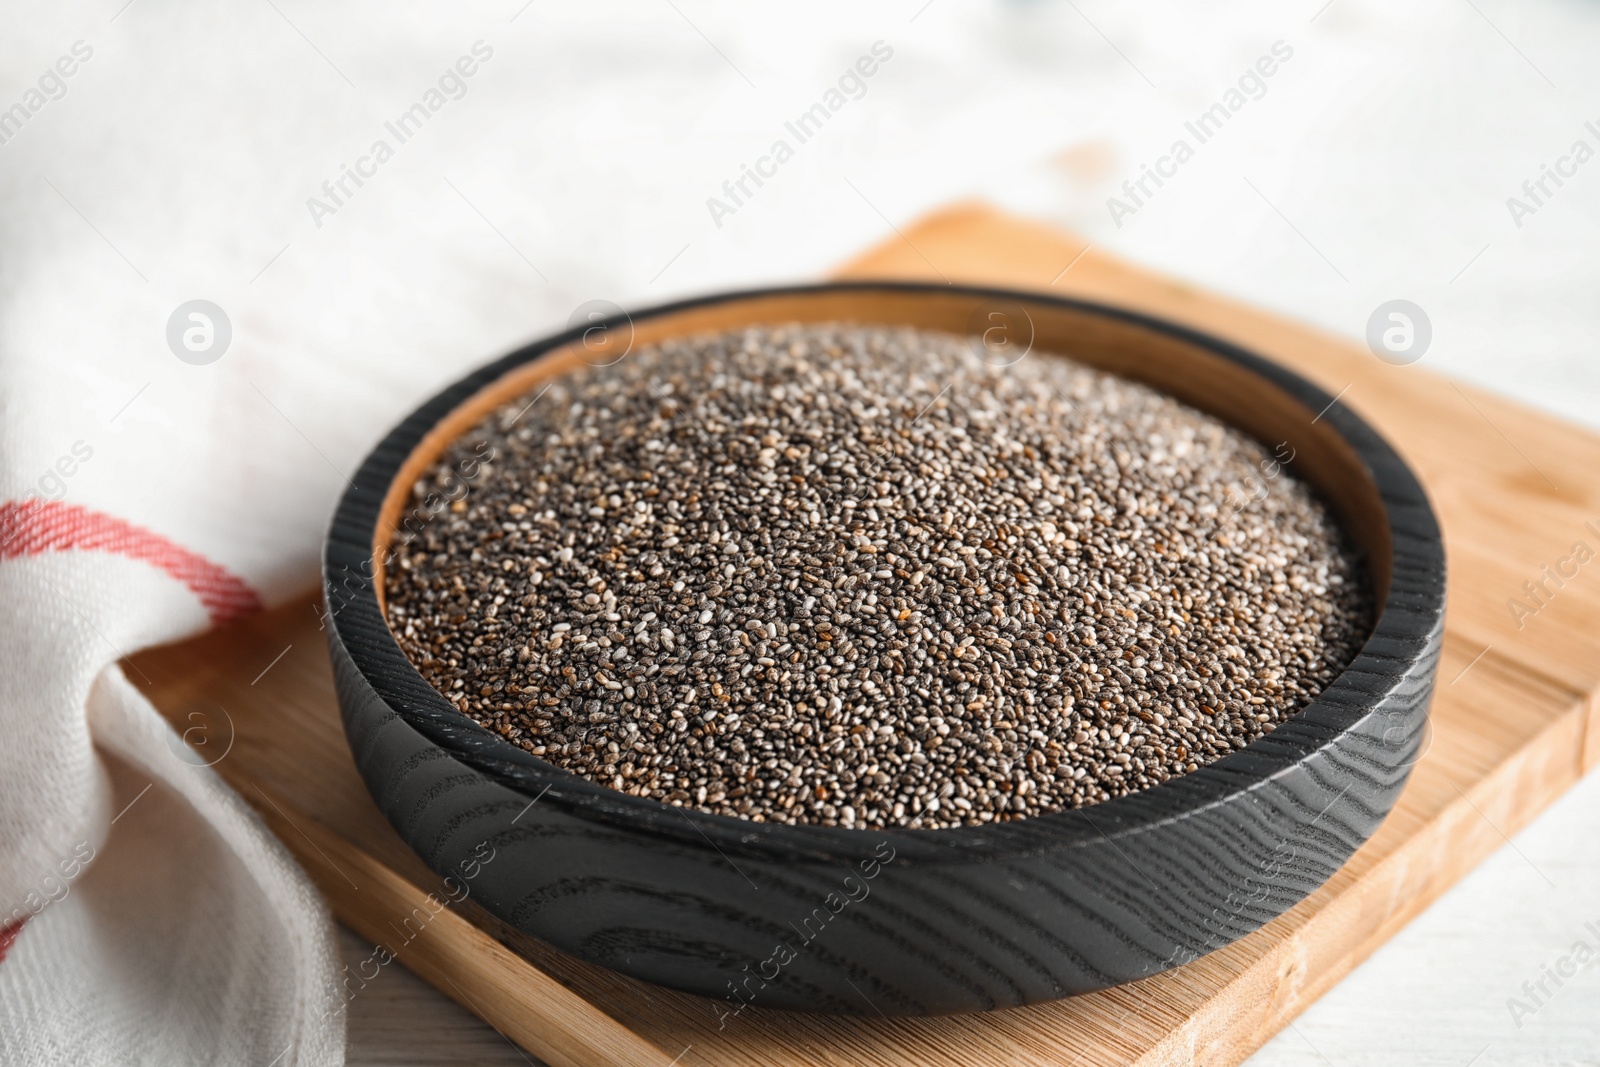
[{"x": 238, "y": 240}]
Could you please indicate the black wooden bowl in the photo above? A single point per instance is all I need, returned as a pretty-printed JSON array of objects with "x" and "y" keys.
[{"x": 914, "y": 921}]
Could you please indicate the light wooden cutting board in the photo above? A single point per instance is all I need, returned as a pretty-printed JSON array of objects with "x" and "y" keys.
[{"x": 1512, "y": 729}]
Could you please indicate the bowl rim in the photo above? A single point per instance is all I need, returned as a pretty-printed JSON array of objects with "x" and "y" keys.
[{"x": 1404, "y": 626}]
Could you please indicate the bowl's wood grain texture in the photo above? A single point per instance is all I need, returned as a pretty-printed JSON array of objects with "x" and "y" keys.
[{"x": 1509, "y": 734}]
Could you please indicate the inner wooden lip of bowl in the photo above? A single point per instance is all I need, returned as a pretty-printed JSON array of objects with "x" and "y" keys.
[{"x": 1181, "y": 363}]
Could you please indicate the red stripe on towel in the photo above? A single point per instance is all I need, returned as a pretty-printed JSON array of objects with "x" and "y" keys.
[
  {"x": 34, "y": 527},
  {"x": 8, "y": 936}
]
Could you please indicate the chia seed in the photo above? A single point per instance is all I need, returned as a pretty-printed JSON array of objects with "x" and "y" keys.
[{"x": 856, "y": 576}]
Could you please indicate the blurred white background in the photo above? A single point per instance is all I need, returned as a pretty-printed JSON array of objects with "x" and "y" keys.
[{"x": 1376, "y": 164}]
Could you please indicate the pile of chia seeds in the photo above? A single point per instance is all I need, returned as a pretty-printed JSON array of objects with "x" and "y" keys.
[{"x": 857, "y": 576}]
